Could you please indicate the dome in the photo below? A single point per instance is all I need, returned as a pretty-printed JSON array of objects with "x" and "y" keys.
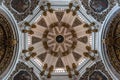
[
  {"x": 59, "y": 40},
  {"x": 9, "y": 43}
]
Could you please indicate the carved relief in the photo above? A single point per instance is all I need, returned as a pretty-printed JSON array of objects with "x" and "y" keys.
[
  {"x": 98, "y": 5},
  {"x": 21, "y": 8},
  {"x": 23, "y": 3},
  {"x": 96, "y": 72},
  {"x": 97, "y": 75},
  {"x": 23, "y": 72},
  {"x": 96, "y": 8},
  {"x": 22, "y": 75}
]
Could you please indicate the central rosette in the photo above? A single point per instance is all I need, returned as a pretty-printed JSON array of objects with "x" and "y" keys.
[{"x": 59, "y": 39}]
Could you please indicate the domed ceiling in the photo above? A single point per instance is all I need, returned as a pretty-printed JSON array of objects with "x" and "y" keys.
[
  {"x": 59, "y": 39},
  {"x": 6, "y": 48},
  {"x": 61, "y": 42},
  {"x": 8, "y": 43},
  {"x": 112, "y": 42}
]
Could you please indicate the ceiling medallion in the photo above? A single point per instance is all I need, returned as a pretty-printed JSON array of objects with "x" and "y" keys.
[{"x": 59, "y": 39}]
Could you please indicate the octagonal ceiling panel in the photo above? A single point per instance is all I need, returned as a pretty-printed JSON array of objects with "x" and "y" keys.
[{"x": 61, "y": 39}]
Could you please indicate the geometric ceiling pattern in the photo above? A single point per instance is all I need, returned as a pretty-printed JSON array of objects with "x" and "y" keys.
[{"x": 59, "y": 40}]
